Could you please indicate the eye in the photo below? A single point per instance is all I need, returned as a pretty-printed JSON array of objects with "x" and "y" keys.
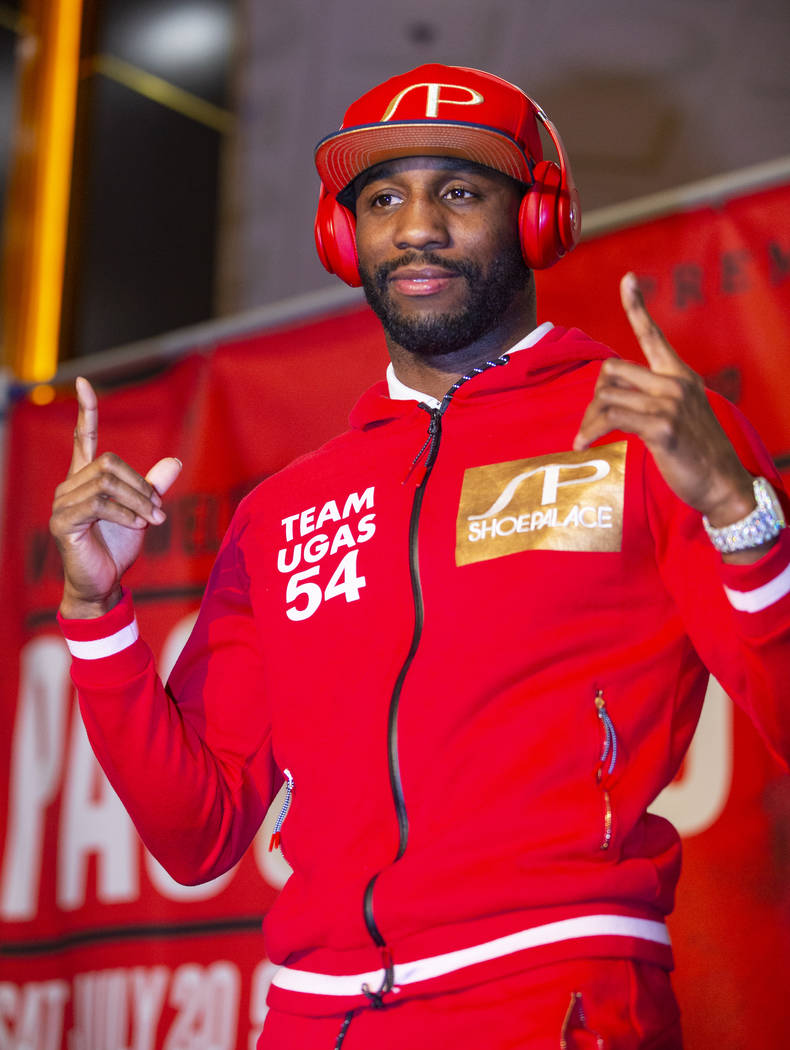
[
  {"x": 459, "y": 193},
  {"x": 387, "y": 199}
]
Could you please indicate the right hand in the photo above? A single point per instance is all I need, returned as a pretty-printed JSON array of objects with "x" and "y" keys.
[{"x": 100, "y": 514}]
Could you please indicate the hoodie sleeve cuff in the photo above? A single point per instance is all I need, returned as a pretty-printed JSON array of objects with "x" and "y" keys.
[
  {"x": 758, "y": 587},
  {"x": 107, "y": 647}
]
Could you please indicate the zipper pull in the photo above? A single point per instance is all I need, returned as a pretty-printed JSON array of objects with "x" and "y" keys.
[
  {"x": 609, "y": 749},
  {"x": 274, "y": 841},
  {"x": 433, "y": 430},
  {"x": 388, "y": 983}
]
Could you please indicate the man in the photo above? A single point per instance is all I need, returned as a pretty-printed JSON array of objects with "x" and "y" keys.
[{"x": 472, "y": 634}]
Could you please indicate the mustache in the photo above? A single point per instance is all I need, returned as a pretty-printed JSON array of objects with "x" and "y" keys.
[{"x": 462, "y": 267}]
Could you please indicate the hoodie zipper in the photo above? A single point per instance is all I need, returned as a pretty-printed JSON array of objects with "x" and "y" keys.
[{"x": 431, "y": 444}]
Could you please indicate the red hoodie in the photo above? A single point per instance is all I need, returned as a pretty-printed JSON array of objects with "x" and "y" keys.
[{"x": 480, "y": 656}]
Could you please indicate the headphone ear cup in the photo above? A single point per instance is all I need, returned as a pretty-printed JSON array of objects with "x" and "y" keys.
[
  {"x": 335, "y": 239},
  {"x": 569, "y": 214},
  {"x": 541, "y": 243}
]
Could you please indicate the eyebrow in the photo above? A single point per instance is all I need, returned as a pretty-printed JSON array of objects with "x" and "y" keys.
[{"x": 386, "y": 169}]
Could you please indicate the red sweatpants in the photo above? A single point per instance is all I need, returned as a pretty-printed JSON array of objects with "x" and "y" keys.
[{"x": 595, "y": 1004}]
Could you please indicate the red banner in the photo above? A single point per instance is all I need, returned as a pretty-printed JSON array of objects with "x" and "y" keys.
[
  {"x": 101, "y": 950},
  {"x": 716, "y": 279}
]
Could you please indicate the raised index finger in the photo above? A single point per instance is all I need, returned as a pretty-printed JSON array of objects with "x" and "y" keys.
[
  {"x": 660, "y": 356},
  {"x": 86, "y": 432}
]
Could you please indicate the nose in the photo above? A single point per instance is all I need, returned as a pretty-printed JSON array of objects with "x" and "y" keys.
[{"x": 420, "y": 224}]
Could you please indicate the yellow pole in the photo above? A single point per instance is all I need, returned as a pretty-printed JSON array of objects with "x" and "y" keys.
[{"x": 36, "y": 218}]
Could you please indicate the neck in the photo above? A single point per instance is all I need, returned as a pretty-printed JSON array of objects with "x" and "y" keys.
[{"x": 435, "y": 374}]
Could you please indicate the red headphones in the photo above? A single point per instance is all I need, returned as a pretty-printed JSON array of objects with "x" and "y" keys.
[{"x": 549, "y": 219}]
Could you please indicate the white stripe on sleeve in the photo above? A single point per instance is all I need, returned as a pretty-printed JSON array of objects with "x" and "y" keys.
[
  {"x": 761, "y": 597},
  {"x": 109, "y": 646}
]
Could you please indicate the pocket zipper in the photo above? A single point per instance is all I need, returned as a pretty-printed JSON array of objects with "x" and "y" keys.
[
  {"x": 575, "y": 1021},
  {"x": 274, "y": 841},
  {"x": 606, "y": 764}
]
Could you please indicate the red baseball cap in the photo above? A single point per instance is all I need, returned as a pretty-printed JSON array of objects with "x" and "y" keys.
[{"x": 434, "y": 110}]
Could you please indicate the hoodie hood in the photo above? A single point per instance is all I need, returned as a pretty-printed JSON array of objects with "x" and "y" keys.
[{"x": 559, "y": 351}]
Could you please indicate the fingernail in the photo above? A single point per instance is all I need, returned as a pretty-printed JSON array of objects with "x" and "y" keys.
[{"x": 158, "y": 516}]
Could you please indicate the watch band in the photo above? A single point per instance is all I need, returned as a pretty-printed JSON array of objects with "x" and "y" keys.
[{"x": 764, "y": 523}]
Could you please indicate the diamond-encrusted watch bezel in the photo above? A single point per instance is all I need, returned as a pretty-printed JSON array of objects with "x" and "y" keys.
[{"x": 764, "y": 523}]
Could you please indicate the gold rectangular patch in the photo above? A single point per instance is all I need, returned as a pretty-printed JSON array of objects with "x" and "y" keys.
[{"x": 568, "y": 501}]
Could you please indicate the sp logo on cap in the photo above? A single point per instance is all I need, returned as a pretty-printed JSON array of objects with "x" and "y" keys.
[{"x": 433, "y": 98}]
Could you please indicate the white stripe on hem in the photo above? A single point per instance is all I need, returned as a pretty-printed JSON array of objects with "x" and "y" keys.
[
  {"x": 437, "y": 965},
  {"x": 761, "y": 597},
  {"x": 109, "y": 646}
]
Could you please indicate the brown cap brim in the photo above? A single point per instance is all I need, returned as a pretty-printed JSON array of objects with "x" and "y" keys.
[{"x": 342, "y": 156}]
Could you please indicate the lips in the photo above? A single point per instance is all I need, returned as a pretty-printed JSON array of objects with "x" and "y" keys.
[{"x": 421, "y": 280}]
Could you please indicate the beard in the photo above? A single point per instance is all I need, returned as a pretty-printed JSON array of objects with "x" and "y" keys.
[{"x": 491, "y": 293}]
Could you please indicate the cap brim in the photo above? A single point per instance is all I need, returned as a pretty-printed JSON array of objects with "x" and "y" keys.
[{"x": 342, "y": 156}]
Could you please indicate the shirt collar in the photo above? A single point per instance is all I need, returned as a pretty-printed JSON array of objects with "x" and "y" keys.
[{"x": 400, "y": 392}]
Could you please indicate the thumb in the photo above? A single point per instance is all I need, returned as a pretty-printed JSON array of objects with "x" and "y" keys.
[{"x": 164, "y": 473}]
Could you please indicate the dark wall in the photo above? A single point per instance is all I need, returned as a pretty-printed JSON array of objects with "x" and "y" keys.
[{"x": 142, "y": 240}]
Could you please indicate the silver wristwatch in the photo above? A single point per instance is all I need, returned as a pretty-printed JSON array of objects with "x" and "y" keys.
[{"x": 764, "y": 523}]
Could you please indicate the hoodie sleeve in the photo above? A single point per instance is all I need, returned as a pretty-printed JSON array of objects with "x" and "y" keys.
[
  {"x": 737, "y": 616},
  {"x": 191, "y": 762}
]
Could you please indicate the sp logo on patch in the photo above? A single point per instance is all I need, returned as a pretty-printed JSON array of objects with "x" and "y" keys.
[{"x": 570, "y": 501}]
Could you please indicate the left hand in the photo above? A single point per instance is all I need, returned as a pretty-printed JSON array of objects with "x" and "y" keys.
[{"x": 665, "y": 405}]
